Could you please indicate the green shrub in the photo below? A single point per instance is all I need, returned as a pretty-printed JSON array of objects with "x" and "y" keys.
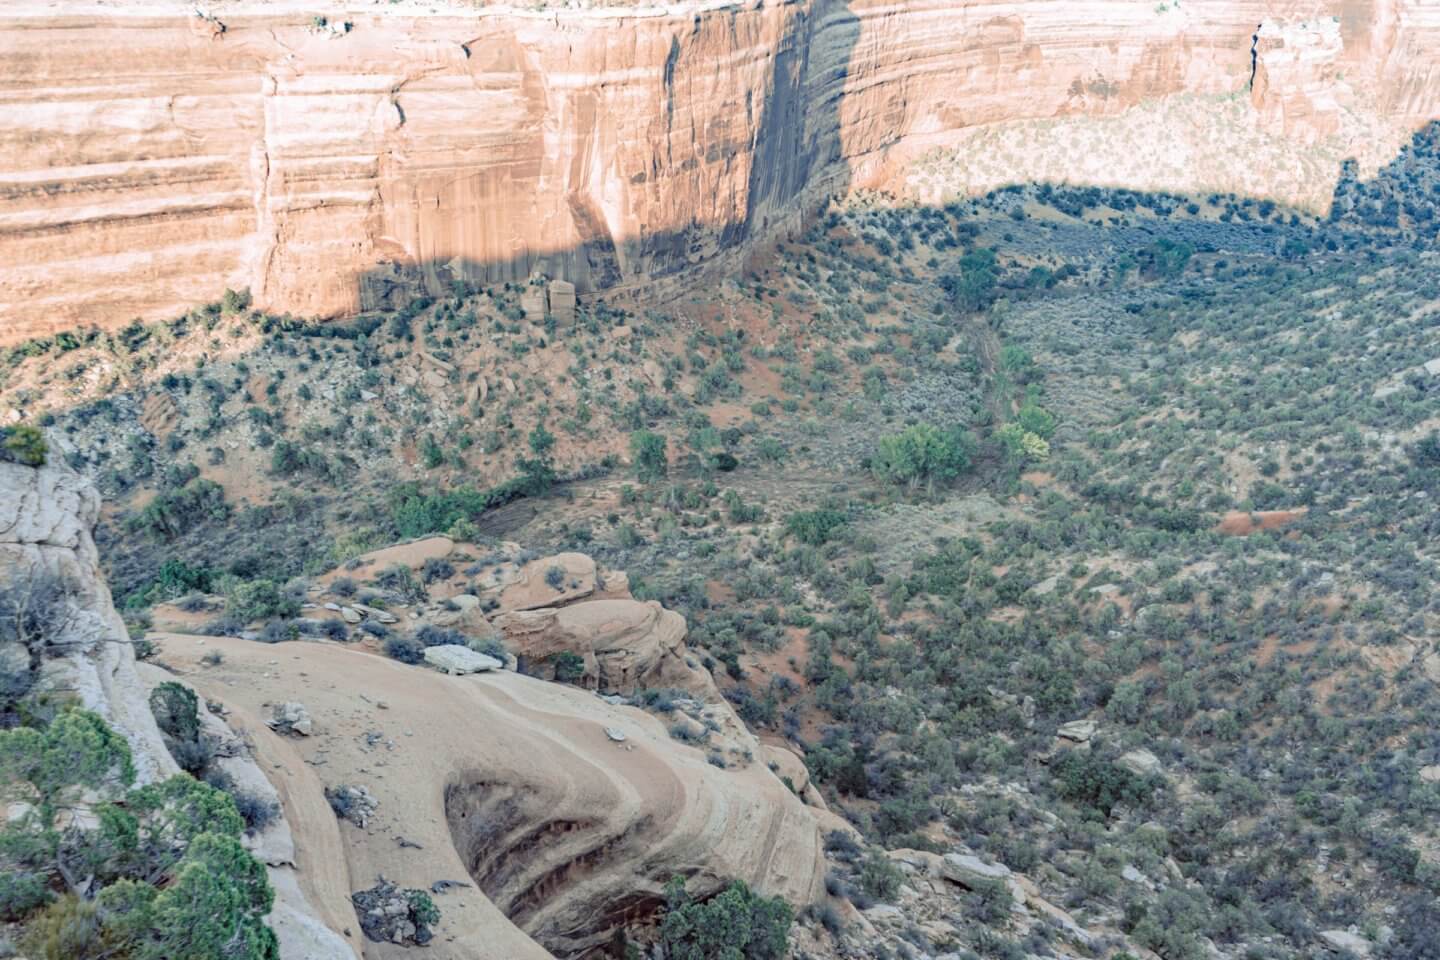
[
  {"x": 647, "y": 453},
  {"x": 23, "y": 444},
  {"x": 1085, "y": 779},
  {"x": 814, "y": 527},
  {"x": 249, "y": 600},
  {"x": 923, "y": 453},
  {"x": 569, "y": 667},
  {"x": 735, "y": 924}
]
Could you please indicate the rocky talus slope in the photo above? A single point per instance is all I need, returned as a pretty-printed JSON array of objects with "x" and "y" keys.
[{"x": 154, "y": 155}]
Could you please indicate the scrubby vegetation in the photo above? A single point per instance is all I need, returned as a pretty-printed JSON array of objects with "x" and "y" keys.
[{"x": 933, "y": 485}]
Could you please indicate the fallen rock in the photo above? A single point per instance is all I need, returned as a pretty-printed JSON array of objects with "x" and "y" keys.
[
  {"x": 452, "y": 658},
  {"x": 1345, "y": 941},
  {"x": 354, "y": 803},
  {"x": 625, "y": 644},
  {"x": 375, "y": 613},
  {"x": 1142, "y": 763},
  {"x": 1079, "y": 731},
  {"x": 389, "y": 914},
  {"x": 292, "y": 717},
  {"x": 970, "y": 871}
]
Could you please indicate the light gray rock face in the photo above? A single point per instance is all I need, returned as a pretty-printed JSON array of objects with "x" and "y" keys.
[
  {"x": 47, "y": 515},
  {"x": 454, "y": 659}
]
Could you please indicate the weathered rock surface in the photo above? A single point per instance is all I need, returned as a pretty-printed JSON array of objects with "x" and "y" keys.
[
  {"x": 459, "y": 661},
  {"x": 47, "y": 515},
  {"x": 625, "y": 644},
  {"x": 547, "y": 582},
  {"x": 516, "y": 782},
  {"x": 155, "y": 158}
]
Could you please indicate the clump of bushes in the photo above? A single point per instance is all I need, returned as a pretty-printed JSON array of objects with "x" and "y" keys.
[
  {"x": 23, "y": 443},
  {"x": 161, "y": 873},
  {"x": 737, "y": 922}
]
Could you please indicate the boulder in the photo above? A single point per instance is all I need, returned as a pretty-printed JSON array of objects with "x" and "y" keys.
[
  {"x": 1430, "y": 774},
  {"x": 535, "y": 302},
  {"x": 625, "y": 644},
  {"x": 971, "y": 871},
  {"x": 923, "y": 862},
  {"x": 292, "y": 717},
  {"x": 1345, "y": 941},
  {"x": 1142, "y": 763},
  {"x": 455, "y": 659},
  {"x": 374, "y": 613},
  {"x": 562, "y": 302},
  {"x": 1079, "y": 731}
]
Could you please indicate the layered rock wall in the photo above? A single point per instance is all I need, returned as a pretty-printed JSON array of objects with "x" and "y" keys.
[{"x": 150, "y": 157}]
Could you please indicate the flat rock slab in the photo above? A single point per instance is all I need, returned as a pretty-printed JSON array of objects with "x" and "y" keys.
[
  {"x": 967, "y": 870},
  {"x": 456, "y": 659}
]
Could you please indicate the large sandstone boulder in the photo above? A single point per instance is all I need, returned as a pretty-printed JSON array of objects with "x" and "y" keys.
[{"x": 625, "y": 644}]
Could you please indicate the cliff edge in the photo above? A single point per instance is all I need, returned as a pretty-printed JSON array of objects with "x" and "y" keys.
[{"x": 154, "y": 155}]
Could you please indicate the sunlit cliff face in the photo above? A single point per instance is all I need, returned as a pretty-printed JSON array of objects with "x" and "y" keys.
[{"x": 152, "y": 159}]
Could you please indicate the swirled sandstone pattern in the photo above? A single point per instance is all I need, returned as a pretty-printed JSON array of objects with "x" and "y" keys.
[{"x": 151, "y": 157}]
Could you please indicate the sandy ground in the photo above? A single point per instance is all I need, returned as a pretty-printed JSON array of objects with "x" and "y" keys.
[{"x": 409, "y": 733}]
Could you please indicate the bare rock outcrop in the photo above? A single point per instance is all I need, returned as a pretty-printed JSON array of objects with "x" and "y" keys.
[
  {"x": 47, "y": 515},
  {"x": 516, "y": 782},
  {"x": 47, "y": 554},
  {"x": 156, "y": 156},
  {"x": 625, "y": 644}
]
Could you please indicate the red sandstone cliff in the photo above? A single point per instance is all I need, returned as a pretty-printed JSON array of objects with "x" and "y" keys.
[{"x": 149, "y": 158}]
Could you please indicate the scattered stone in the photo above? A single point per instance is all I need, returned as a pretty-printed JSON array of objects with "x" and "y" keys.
[
  {"x": 354, "y": 803},
  {"x": 1080, "y": 731},
  {"x": 457, "y": 660},
  {"x": 292, "y": 718},
  {"x": 444, "y": 886},
  {"x": 389, "y": 914},
  {"x": 408, "y": 844}
]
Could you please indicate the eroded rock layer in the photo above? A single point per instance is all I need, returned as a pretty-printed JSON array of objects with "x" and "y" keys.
[{"x": 151, "y": 157}]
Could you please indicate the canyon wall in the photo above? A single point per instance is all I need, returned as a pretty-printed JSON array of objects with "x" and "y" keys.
[{"x": 151, "y": 157}]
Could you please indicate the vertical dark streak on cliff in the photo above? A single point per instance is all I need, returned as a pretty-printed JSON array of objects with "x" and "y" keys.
[{"x": 1254, "y": 56}]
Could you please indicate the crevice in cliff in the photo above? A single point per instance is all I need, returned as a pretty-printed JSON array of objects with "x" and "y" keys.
[{"x": 1254, "y": 56}]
